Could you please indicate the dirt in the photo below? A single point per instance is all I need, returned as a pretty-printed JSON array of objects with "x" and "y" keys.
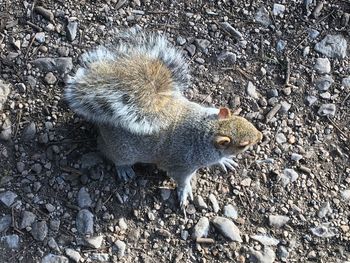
[{"x": 255, "y": 66}]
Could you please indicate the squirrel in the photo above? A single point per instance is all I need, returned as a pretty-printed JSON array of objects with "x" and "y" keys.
[{"x": 132, "y": 90}]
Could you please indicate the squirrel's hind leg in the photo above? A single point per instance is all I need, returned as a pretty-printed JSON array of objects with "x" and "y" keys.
[
  {"x": 125, "y": 172},
  {"x": 184, "y": 188}
]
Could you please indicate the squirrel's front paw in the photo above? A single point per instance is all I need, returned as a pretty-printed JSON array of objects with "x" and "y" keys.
[
  {"x": 183, "y": 193},
  {"x": 229, "y": 163},
  {"x": 125, "y": 172}
]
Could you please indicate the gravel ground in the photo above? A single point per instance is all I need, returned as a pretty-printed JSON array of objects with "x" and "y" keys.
[{"x": 282, "y": 64}]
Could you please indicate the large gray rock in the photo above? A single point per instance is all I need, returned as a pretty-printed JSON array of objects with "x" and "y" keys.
[
  {"x": 39, "y": 230},
  {"x": 7, "y": 198},
  {"x": 332, "y": 46},
  {"x": 11, "y": 241},
  {"x": 28, "y": 218},
  {"x": 227, "y": 228},
  {"x": 51, "y": 258},
  {"x": 85, "y": 222},
  {"x": 5, "y": 90},
  {"x": 201, "y": 229},
  {"x": 62, "y": 65},
  {"x": 5, "y": 222},
  {"x": 84, "y": 199}
]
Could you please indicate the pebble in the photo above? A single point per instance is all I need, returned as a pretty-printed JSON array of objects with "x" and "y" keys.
[
  {"x": 201, "y": 229},
  {"x": 94, "y": 242},
  {"x": 191, "y": 49},
  {"x": 278, "y": 220},
  {"x": 322, "y": 65},
  {"x": 289, "y": 176},
  {"x": 8, "y": 198},
  {"x": 55, "y": 224},
  {"x": 232, "y": 31},
  {"x": 281, "y": 45},
  {"x": 266, "y": 240},
  {"x": 50, "y": 78},
  {"x": 251, "y": 90},
  {"x": 310, "y": 100},
  {"x": 282, "y": 253},
  {"x": 280, "y": 138},
  {"x": 181, "y": 40},
  {"x": 324, "y": 210},
  {"x": 99, "y": 257},
  {"x": 28, "y": 218},
  {"x": 332, "y": 46},
  {"x": 230, "y": 211},
  {"x": 345, "y": 195},
  {"x": 84, "y": 199},
  {"x": 53, "y": 244},
  {"x": 228, "y": 57},
  {"x": 51, "y": 258},
  {"x": 325, "y": 95},
  {"x": 200, "y": 203},
  {"x": 5, "y": 222},
  {"x": 11, "y": 241},
  {"x": 46, "y": 13},
  {"x": 227, "y": 228},
  {"x": 6, "y": 128},
  {"x": 122, "y": 224},
  {"x": 262, "y": 16},
  {"x": 346, "y": 82},
  {"x": 62, "y": 65},
  {"x": 39, "y": 230},
  {"x": 323, "y": 83},
  {"x": 267, "y": 256},
  {"x": 73, "y": 254},
  {"x": 202, "y": 44},
  {"x": 296, "y": 157},
  {"x": 121, "y": 246},
  {"x": 246, "y": 182},
  {"x": 285, "y": 106},
  {"x": 40, "y": 37},
  {"x": 151, "y": 216},
  {"x": 313, "y": 33},
  {"x": 85, "y": 222},
  {"x": 214, "y": 203},
  {"x": 327, "y": 110},
  {"x": 324, "y": 231},
  {"x": 278, "y": 9},
  {"x": 29, "y": 132},
  {"x": 271, "y": 114},
  {"x": 71, "y": 29}
]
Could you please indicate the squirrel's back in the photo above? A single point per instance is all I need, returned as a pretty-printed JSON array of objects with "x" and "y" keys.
[{"x": 135, "y": 84}]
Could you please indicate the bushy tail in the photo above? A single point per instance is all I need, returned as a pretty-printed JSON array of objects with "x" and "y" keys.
[{"x": 127, "y": 82}]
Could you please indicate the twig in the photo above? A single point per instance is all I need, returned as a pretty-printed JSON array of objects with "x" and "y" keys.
[
  {"x": 70, "y": 141},
  {"x": 159, "y": 12},
  {"x": 36, "y": 27},
  {"x": 19, "y": 252},
  {"x": 347, "y": 96},
  {"x": 286, "y": 83},
  {"x": 297, "y": 46},
  {"x": 206, "y": 97},
  {"x": 337, "y": 127},
  {"x": 202, "y": 240},
  {"x": 71, "y": 170},
  {"x": 246, "y": 196},
  {"x": 30, "y": 45},
  {"x": 19, "y": 116}
]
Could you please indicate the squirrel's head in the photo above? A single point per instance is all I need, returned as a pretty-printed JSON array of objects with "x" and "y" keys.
[{"x": 234, "y": 134}]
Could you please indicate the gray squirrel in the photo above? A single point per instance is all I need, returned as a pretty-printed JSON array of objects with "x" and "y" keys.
[{"x": 132, "y": 90}]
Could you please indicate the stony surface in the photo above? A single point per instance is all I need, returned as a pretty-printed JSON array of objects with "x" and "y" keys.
[{"x": 282, "y": 64}]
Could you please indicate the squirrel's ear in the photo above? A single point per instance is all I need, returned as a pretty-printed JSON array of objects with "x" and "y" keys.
[
  {"x": 224, "y": 113},
  {"x": 222, "y": 142}
]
